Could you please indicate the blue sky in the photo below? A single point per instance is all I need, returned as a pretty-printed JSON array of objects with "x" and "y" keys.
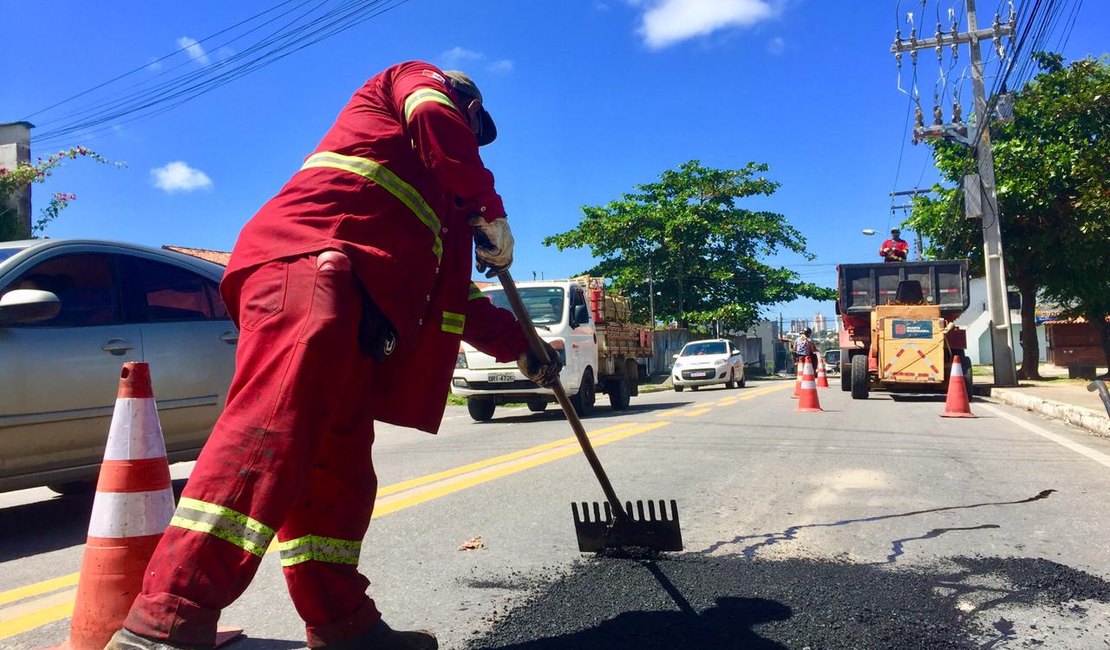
[{"x": 590, "y": 97}]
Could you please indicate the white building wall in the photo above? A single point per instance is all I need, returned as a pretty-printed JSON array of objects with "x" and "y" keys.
[{"x": 976, "y": 321}]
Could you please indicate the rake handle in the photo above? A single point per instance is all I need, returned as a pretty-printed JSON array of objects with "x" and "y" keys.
[{"x": 537, "y": 346}]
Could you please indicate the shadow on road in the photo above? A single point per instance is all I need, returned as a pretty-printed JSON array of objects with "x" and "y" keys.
[
  {"x": 601, "y": 412},
  {"x": 60, "y": 522}
]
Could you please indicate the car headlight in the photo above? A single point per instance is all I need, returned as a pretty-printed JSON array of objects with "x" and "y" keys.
[
  {"x": 677, "y": 364},
  {"x": 460, "y": 361},
  {"x": 720, "y": 362}
]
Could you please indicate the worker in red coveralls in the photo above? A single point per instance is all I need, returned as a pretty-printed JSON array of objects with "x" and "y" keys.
[
  {"x": 351, "y": 289},
  {"x": 895, "y": 249}
]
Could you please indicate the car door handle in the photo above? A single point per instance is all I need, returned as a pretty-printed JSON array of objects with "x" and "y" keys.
[
  {"x": 117, "y": 347},
  {"x": 230, "y": 337}
]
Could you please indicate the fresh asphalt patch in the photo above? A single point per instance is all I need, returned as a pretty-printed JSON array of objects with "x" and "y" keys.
[{"x": 734, "y": 601}]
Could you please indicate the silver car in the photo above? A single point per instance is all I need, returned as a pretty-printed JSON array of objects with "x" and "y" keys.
[
  {"x": 71, "y": 313},
  {"x": 708, "y": 362}
]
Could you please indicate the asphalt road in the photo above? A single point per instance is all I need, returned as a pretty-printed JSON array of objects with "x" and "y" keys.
[{"x": 874, "y": 524}]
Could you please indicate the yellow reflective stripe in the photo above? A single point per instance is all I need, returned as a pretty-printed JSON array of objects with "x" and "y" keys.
[
  {"x": 453, "y": 322},
  {"x": 380, "y": 174},
  {"x": 425, "y": 95},
  {"x": 319, "y": 549},
  {"x": 248, "y": 534},
  {"x": 475, "y": 292}
]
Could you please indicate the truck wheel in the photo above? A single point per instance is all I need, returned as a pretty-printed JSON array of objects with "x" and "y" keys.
[
  {"x": 583, "y": 401},
  {"x": 618, "y": 394},
  {"x": 845, "y": 375},
  {"x": 480, "y": 409},
  {"x": 860, "y": 389},
  {"x": 965, "y": 363},
  {"x": 731, "y": 383},
  {"x": 537, "y": 406}
]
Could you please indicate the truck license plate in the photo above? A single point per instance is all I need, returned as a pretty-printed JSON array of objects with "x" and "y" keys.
[{"x": 501, "y": 377}]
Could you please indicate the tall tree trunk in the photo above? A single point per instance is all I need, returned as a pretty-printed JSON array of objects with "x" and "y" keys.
[{"x": 1030, "y": 346}]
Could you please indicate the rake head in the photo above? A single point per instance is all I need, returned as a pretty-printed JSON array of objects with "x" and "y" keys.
[{"x": 599, "y": 530}]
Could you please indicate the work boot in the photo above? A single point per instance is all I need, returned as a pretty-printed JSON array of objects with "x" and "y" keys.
[
  {"x": 383, "y": 637},
  {"x": 125, "y": 639}
]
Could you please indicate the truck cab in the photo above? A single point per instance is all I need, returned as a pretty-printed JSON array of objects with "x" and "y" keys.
[{"x": 561, "y": 315}]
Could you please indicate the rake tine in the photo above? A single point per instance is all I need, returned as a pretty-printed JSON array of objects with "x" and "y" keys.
[{"x": 651, "y": 510}]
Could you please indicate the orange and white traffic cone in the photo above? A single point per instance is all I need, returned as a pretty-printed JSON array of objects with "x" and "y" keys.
[
  {"x": 132, "y": 507},
  {"x": 956, "y": 405},
  {"x": 822, "y": 378},
  {"x": 807, "y": 401},
  {"x": 798, "y": 380}
]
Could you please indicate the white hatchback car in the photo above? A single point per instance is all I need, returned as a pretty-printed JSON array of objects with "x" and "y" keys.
[
  {"x": 71, "y": 312},
  {"x": 707, "y": 362}
]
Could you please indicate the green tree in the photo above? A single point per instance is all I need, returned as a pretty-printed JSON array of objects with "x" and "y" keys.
[
  {"x": 701, "y": 252},
  {"x": 1052, "y": 164},
  {"x": 14, "y": 181}
]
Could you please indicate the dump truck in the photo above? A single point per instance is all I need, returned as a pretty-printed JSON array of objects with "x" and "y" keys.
[
  {"x": 588, "y": 323},
  {"x": 899, "y": 330}
]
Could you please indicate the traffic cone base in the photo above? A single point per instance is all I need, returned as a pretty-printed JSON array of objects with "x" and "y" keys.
[
  {"x": 956, "y": 404},
  {"x": 807, "y": 401}
]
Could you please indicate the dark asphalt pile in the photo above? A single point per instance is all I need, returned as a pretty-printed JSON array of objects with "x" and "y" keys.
[{"x": 690, "y": 601}]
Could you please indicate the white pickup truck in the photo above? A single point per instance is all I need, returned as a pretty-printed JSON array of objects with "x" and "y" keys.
[{"x": 565, "y": 317}]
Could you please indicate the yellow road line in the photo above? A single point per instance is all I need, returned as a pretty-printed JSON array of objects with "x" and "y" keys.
[
  {"x": 669, "y": 414},
  {"x": 30, "y": 614},
  {"x": 696, "y": 412}
]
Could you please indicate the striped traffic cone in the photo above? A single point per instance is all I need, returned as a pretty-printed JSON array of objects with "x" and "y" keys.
[
  {"x": 807, "y": 401},
  {"x": 798, "y": 381},
  {"x": 956, "y": 404},
  {"x": 822, "y": 378},
  {"x": 132, "y": 507}
]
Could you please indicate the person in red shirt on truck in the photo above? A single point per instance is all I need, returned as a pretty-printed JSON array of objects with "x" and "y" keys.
[
  {"x": 895, "y": 249},
  {"x": 351, "y": 289}
]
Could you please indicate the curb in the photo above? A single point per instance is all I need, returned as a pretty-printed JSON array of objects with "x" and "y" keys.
[{"x": 1077, "y": 416}]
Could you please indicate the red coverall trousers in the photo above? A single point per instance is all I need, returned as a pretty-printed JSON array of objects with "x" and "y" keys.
[{"x": 290, "y": 453}]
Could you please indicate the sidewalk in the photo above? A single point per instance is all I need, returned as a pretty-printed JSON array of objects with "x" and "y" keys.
[{"x": 1055, "y": 396}]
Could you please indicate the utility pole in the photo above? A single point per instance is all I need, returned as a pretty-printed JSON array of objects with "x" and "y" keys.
[{"x": 979, "y": 190}]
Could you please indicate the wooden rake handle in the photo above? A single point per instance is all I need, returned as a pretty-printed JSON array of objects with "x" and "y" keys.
[{"x": 538, "y": 348}]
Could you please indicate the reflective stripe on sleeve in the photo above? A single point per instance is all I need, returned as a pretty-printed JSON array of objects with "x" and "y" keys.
[
  {"x": 248, "y": 534},
  {"x": 380, "y": 174},
  {"x": 319, "y": 549},
  {"x": 453, "y": 323},
  {"x": 425, "y": 95}
]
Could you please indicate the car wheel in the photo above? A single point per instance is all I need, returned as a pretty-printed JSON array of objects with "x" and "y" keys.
[
  {"x": 583, "y": 401},
  {"x": 678, "y": 389},
  {"x": 694, "y": 388},
  {"x": 537, "y": 406},
  {"x": 619, "y": 395},
  {"x": 480, "y": 409},
  {"x": 74, "y": 488},
  {"x": 731, "y": 383},
  {"x": 860, "y": 388},
  {"x": 743, "y": 380}
]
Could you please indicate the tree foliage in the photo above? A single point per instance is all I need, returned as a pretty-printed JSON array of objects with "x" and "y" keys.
[
  {"x": 702, "y": 252},
  {"x": 14, "y": 181},
  {"x": 1052, "y": 164}
]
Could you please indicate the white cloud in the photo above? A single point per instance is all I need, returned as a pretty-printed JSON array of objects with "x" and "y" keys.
[
  {"x": 193, "y": 49},
  {"x": 180, "y": 177},
  {"x": 501, "y": 67},
  {"x": 776, "y": 45},
  {"x": 666, "y": 22},
  {"x": 458, "y": 57}
]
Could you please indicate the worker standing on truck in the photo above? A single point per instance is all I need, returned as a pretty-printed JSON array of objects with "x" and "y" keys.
[
  {"x": 351, "y": 289},
  {"x": 895, "y": 249}
]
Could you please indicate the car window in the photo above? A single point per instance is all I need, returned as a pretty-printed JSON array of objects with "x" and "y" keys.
[
  {"x": 544, "y": 304},
  {"x": 84, "y": 282},
  {"x": 172, "y": 293},
  {"x": 707, "y": 347}
]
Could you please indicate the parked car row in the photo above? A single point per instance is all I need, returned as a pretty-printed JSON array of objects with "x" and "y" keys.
[{"x": 71, "y": 312}]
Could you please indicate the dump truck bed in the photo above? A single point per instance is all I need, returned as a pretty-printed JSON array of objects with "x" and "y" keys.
[{"x": 944, "y": 284}]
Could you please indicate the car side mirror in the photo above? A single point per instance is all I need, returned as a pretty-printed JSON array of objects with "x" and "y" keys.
[
  {"x": 581, "y": 315},
  {"x": 674, "y": 356},
  {"x": 23, "y": 306}
]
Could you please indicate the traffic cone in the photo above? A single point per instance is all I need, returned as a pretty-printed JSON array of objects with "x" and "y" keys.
[
  {"x": 132, "y": 507},
  {"x": 956, "y": 404},
  {"x": 822, "y": 378},
  {"x": 807, "y": 401},
  {"x": 798, "y": 381}
]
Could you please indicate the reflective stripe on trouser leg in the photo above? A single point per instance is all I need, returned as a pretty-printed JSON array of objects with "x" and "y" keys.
[{"x": 297, "y": 350}]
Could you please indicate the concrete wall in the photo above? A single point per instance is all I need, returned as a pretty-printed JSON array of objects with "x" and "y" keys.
[
  {"x": 976, "y": 320},
  {"x": 15, "y": 147}
]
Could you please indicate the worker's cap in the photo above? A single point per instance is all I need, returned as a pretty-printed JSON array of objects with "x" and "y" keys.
[
  {"x": 895, "y": 231},
  {"x": 465, "y": 86}
]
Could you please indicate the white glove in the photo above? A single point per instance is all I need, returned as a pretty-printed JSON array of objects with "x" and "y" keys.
[{"x": 493, "y": 250}]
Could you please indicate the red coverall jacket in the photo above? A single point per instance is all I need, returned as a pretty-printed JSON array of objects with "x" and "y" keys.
[
  {"x": 392, "y": 185},
  {"x": 894, "y": 251}
]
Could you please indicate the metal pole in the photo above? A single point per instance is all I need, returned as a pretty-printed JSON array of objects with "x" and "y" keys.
[{"x": 1005, "y": 369}]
